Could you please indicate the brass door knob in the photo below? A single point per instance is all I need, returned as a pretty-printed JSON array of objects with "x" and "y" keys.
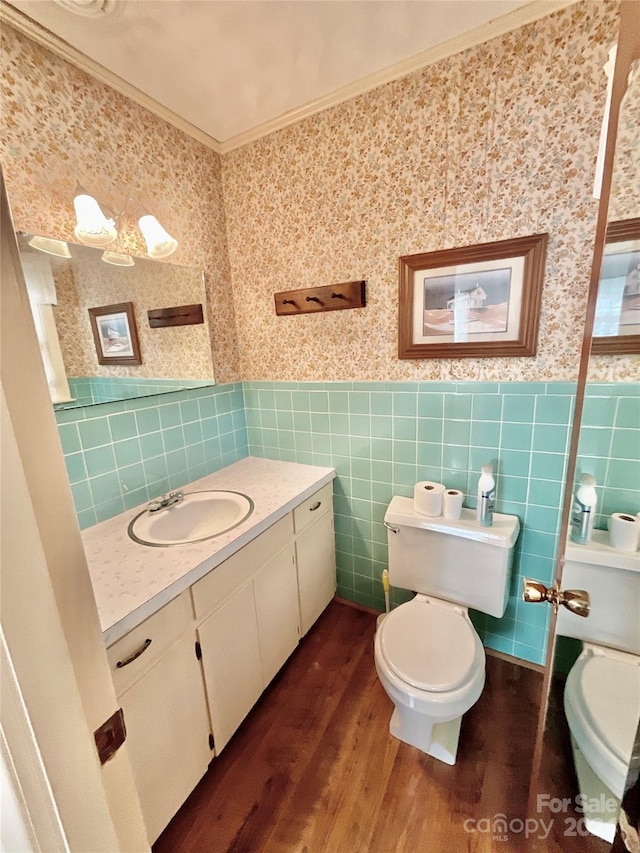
[{"x": 575, "y": 600}]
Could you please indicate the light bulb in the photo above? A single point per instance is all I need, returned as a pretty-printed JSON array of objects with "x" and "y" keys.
[
  {"x": 93, "y": 228},
  {"x": 117, "y": 259},
  {"x": 160, "y": 244},
  {"x": 52, "y": 247}
]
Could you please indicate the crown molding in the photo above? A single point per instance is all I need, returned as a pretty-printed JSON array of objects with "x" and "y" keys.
[
  {"x": 36, "y": 32},
  {"x": 511, "y": 21},
  {"x": 506, "y": 23}
]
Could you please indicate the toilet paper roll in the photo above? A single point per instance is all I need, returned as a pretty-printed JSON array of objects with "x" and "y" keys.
[
  {"x": 427, "y": 498},
  {"x": 452, "y": 503},
  {"x": 624, "y": 531}
]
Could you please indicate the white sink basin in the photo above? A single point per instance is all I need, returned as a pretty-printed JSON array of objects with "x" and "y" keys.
[{"x": 198, "y": 516}]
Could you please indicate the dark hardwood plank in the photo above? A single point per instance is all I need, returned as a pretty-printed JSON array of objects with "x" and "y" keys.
[{"x": 314, "y": 768}]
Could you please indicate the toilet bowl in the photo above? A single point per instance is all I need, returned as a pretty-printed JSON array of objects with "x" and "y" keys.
[
  {"x": 431, "y": 663},
  {"x": 602, "y": 691},
  {"x": 601, "y": 701},
  {"x": 427, "y": 653}
]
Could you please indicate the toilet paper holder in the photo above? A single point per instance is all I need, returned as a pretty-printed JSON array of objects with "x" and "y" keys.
[{"x": 575, "y": 600}]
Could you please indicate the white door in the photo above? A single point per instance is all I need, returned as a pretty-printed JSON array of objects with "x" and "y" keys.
[{"x": 49, "y": 616}]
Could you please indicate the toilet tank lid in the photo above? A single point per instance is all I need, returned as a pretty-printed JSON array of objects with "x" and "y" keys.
[
  {"x": 598, "y": 552},
  {"x": 503, "y": 533}
]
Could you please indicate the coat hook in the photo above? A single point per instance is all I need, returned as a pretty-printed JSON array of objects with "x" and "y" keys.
[
  {"x": 288, "y": 302},
  {"x": 338, "y": 296},
  {"x": 312, "y": 299}
]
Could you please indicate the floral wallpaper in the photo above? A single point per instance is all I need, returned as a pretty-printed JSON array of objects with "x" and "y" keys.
[
  {"x": 624, "y": 202},
  {"x": 61, "y": 127},
  {"x": 496, "y": 142}
]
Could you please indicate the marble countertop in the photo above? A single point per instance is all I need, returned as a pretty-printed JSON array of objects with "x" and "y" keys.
[{"x": 132, "y": 581}]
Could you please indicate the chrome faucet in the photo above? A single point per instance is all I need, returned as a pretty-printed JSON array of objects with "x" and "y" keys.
[{"x": 165, "y": 501}]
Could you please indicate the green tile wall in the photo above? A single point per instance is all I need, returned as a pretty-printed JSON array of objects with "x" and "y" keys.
[
  {"x": 119, "y": 455},
  {"x": 609, "y": 447},
  {"x": 383, "y": 437}
]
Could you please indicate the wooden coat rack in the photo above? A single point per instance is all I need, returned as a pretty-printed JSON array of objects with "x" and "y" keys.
[
  {"x": 179, "y": 315},
  {"x": 313, "y": 300}
]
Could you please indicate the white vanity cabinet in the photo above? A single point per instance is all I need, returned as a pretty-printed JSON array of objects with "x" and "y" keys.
[
  {"x": 159, "y": 686},
  {"x": 189, "y": 674},
  {"x": 315, "y": 555},
  {"x": 252, "y": 628}
]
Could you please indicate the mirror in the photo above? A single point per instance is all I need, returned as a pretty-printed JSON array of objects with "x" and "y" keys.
[
  {"x": 616, "y": 325},
  {"x": 617, "y": 320},
  {"x": 62, "y": 290},
  {"x": 593, "y": 714}
]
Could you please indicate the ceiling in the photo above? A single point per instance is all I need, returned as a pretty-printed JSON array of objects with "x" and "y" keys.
[{"x": 232, "y": 70}]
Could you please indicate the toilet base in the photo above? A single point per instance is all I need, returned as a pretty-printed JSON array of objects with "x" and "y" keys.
[
  {"x": 440, "y": 740},
  {"x": 598, "y": 821}
]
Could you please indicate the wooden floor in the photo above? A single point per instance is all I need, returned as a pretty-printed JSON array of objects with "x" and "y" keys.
[
  {"x": 558, "y": 780},
  {"x": 314, "y": 768}
]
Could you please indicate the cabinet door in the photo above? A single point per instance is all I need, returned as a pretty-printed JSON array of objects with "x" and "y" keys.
[
  {"x": 168, "y": 731},
  {"x": 231, "y": 663},
  {"x": 276, "y": 595},
  {"x": 316, "y": 558}
]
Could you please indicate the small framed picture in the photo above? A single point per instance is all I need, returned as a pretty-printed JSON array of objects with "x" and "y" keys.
[
  {"x": 616, "y": 325},
  {"x": 115, "y": 334},
  {"x": 478, "y": 301}
]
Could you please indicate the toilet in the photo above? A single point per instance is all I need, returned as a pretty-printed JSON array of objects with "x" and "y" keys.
[
  {"x": 428, "y": 656},
  {"x": 602, "y": 691}
]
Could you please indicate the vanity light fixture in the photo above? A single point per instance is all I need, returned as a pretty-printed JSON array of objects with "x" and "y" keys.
[
  {"x": 50, "y": 246},
  {"x": 117, "y": 259},
  {"x": 94, "y": 228},
  {"x": 160, "y": 244}
]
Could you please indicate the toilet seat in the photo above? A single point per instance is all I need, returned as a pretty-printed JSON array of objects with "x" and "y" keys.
[
  {"x": 428, "y": 645},
  {"x": 601, "y": 697},
  {"x": 443, "y": 703}
]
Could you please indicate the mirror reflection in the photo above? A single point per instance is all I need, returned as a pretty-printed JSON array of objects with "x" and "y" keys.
[
  {"x": 594, "y": 701},
  {"x": 617, "y": 320},
  {"x": 66, "y": 282}
]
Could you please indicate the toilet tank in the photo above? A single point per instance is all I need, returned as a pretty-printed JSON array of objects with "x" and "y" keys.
[
  {"x": 612, "y": 579},
  {"x": 458, "y": 561}
]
